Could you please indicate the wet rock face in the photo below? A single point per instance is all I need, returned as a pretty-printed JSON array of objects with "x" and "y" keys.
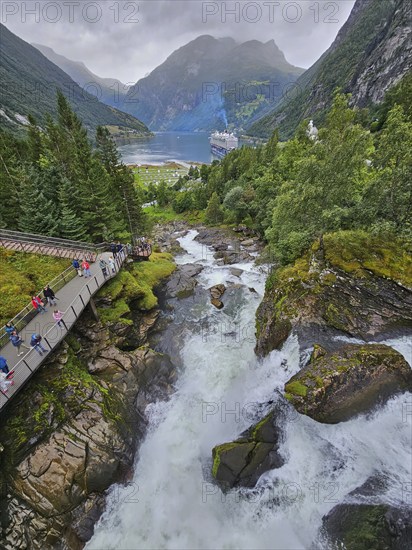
[
  {"x": 336, "y": 386},
  {"x": 376, "y": 527},
  {"x": 242, "y": 462},
  {"x": 183, "y": 281},
  {"x": 83, "y": 432},
  {"x": 340, "y": 294},
  {"x": 230, "y": 247}
]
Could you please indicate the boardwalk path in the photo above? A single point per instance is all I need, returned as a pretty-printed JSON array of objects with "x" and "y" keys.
[{"x": 72, "y": 300}]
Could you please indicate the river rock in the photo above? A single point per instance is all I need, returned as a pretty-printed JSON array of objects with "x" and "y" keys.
[
  {"x": 235, "y": 271},
  {"x": 182, "y": 282},
  {"x": 376, "y": 527},
  {"x": 242, "y": 462},
  {"x": 336, "y": 386},
  {"x": 248, "y": 242},
  {"x": 217, "y": 291}
]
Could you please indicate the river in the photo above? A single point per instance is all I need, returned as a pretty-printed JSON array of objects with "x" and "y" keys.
[{"x": 171, "y": 503}]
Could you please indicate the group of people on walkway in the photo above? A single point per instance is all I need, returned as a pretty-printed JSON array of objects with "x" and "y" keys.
[
  {"x": 40, "y": 304},
  {"x": 83, "y": 269}
]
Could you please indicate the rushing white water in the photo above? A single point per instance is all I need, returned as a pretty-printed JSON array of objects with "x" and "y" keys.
[{"x": 171, "y": 502}]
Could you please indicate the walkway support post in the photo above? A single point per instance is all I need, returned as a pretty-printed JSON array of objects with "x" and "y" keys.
[{"x": 93, "y": 309}]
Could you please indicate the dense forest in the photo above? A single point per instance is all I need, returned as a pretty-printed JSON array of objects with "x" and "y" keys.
[
  {"x": 56, "y": 183},
  {"x": 356, "y": 174}
]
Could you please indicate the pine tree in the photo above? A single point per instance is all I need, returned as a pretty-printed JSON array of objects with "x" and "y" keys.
[
  {"x": 214, "y": 212},
  {"x": 123, "y": 192},
  {"x": 10, "y": 178},
  {"x": 71, "y": 225},
  {"x": 34, "y": 141},
  {"x": 38, "y": 214}
]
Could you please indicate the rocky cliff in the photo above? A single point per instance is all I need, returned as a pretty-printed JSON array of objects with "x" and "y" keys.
[
  {"x": 349, "y": 283},
  {"x": 371, "y": 53},
  {"x": 74, "y": 430}
]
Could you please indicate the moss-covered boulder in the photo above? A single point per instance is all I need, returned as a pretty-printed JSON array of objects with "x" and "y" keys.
[
  {"x": 349, "y": 282},
  {"x": 243, "y": 461},
  {"x": 375, "y": 527},
  {"x": 335, "y": 386}
]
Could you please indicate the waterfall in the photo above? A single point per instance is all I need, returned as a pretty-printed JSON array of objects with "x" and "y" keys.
[{"x": 222, "y": 388}]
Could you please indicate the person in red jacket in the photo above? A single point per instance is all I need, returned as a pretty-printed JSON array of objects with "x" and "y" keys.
[
  {"x": 86, "y": 268},
  {"x": 38, "y": 304}
]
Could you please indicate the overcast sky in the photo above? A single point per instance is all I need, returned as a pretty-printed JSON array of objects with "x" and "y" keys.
[{"x": 126, "y": 40}]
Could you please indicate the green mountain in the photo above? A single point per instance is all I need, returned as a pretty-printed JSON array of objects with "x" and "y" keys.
[
  {"x": 371, "y": 53},
  {"x": 211, "y": 83},
  {"x": 107, "y": 90},
  {"x": 29, "y": 83}
]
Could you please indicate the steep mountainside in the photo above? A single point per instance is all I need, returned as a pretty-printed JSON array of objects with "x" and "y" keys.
[
  {"x": 210, "y": 83},
  {"x": 107, "y": 90},
  {"x": 29, "y": 83},
  {"x": 371, "y": 53}
]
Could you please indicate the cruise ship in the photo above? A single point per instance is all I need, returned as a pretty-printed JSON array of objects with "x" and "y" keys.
[{"x": 222, "y": 143}]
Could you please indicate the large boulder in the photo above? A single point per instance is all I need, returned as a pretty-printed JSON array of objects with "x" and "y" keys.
[
  {"x": 243, "y": 461},
  {"x": 376, "y": 527},
  {"x": 216, "y": 292},
  {"x": 183, "y": 281},
  {"x": 335, "y": 386},
  {"x": 349, "y": 282}
]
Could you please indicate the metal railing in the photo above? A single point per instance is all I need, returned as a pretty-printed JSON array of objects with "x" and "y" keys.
[
  {"x": 54, "y": 241},
  {"x": 23, "y": 318},
  {"x": 52, "y": 246},
  {"x": 31, "y": 361}
]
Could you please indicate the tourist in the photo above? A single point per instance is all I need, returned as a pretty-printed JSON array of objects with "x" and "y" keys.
[
  {"x": 119, "y": 249},
  {"x": 4, "y": 382},
  {"x": 3, "y": 365},
  {"x": 129, "y": 248},
  {"x": 49, "y": 295},
  {"x": 112, "y": 265},
  {"x": 76, "y": 266},
  {"x": 17, "y": 343},
  {"x": 10, "y": 328},
  {"x": 35, "y": 344},
  {"x": 38, "y": 304},
  {"x": 103, "y": 267},
  {"x": 57, "y": 316},
  {"x": 86, "y": 268},
  {"x": 113, "y": 249}
]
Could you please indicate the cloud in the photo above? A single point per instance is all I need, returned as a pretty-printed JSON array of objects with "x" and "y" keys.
[{"x": 126, "y": 40}]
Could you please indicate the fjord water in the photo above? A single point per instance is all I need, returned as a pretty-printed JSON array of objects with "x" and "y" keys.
[
  {"x": 168, "y": 146},
  {"x": 172, "y": 503}
]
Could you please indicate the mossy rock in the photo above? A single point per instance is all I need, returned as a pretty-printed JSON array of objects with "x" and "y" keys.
[
  {"x": 243, "y": 461},
  {"x": 336, "y": 386},
  {"x": 375, "y": 527},
  {"x": 348, "y": 281}
]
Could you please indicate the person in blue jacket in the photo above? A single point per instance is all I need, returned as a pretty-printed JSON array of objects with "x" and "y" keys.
[
  {"x": 3, "y": 365},
  {"x": 10, "y": 328},
  {"x": 17, "y": 342},
  {"x": 35, "y": 343}
]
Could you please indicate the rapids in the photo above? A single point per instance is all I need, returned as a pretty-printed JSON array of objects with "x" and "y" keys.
[{"x": 222, "y": 388}]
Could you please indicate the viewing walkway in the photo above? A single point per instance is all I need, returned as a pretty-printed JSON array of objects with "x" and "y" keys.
[
  {"x": 49, "y": 246},
  {"x": 73, "y": 298}
]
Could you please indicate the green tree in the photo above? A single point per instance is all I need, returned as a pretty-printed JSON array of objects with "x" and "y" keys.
[
  {"x": 235, "y": 202},
  {"x": 214, "y": 212},
  {"x": 38, "y": 213},
  {"x": 389, "y": 197}
]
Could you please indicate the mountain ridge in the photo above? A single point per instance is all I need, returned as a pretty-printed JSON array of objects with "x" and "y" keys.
[
  {"x": 365, "y": 59},
  {"x": 208, "y": 83},
  {"x": 110, "y": 91},
  {"x": 29, "y": 85}
]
